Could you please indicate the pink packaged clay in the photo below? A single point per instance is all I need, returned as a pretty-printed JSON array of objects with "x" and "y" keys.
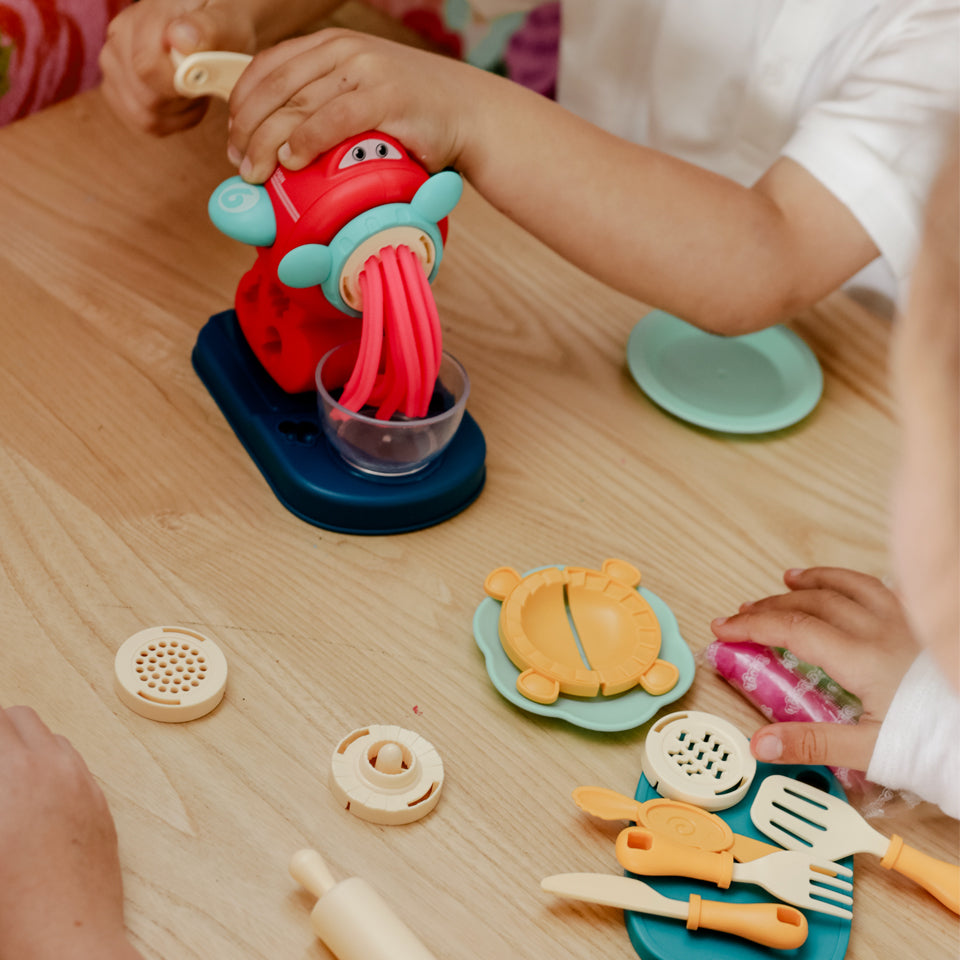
[{"x": 784, "y": 689}]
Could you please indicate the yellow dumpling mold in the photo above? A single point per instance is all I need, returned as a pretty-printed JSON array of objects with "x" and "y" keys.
[{"x": 579, "y": 632}]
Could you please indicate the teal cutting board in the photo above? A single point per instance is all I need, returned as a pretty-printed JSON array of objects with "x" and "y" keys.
[{"x": 658, "y": 938}]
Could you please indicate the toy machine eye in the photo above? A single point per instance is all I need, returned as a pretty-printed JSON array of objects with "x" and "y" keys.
[{"x": 370, "y": 149}]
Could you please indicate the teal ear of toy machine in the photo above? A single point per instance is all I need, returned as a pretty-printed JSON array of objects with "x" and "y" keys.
[{"x": 330, "y": 368}]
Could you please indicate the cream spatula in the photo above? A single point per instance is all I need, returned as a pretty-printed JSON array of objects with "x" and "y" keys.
[{"x": 801, "y": 817}]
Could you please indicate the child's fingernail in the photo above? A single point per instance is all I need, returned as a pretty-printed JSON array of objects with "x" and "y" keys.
[
  {"x": 795, "y": 572},
  {"x": 284, "y": 153},
  {"x": 234, "y": 155},
  {"x": 746, "y": 605},
  {"x": 768, "y": 747},
  {"x": 246, "y": 168},
  {"x": 718, "y": 622},
  {"x": 184, "y": 36}
]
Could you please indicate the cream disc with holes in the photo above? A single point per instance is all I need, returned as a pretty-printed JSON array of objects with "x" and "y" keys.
[
  {"x": 170, "y": 674},
  {"x": 386, "y": 774},
  {"x": 698, "y": 758}
]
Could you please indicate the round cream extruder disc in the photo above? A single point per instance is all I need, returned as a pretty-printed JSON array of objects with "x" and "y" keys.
[
  {"x": 698, "y": 758},
  {"x": 170, "y": 674},
  {"x": 386, "y": 774}
]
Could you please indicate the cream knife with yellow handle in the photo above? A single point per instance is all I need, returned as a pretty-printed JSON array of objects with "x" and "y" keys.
[{"x": 770, "y": 924}]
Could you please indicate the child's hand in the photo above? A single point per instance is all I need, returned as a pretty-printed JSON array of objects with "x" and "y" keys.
[
  {"x": 136, "y": 65},
  {"x": 853, "y": 627},
  {"x": 306, "y": 95},
  {"x": 59, "y": 870}
]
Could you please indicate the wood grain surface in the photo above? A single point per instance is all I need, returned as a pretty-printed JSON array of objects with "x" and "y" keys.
[{"x": 126, "y": 501}]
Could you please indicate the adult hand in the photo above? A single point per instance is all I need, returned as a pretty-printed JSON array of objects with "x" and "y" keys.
[
  {"x": 852, "y": 626},
  {"x": 59, "y": 870},
  {"x": 136, "y": 64}
]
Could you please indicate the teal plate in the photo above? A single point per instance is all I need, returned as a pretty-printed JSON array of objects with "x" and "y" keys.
[
  {"x": 657, "y": 938},
  {"x": 756, "y": 383},
  {"x": 606, "y": 714}
]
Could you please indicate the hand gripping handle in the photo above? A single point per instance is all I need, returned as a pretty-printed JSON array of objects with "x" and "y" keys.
[
  {"x": 935, "y": 876},
  {"x": 770, "y": 924},
  {"x": 643, "y": 852}
]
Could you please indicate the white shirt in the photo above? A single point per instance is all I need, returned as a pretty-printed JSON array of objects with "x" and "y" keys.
[
  {"x": 859, "y": 92},
  {"x": 918, "y": 748}
]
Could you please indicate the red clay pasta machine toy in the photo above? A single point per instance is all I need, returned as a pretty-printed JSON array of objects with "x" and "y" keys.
[{"x": 330, "y": 367}]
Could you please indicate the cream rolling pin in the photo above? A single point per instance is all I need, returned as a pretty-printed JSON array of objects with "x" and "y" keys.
[{"x": 351, "y": 918}]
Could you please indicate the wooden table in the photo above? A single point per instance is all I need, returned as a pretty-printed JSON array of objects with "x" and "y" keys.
[{"x": 126, "y": 501}]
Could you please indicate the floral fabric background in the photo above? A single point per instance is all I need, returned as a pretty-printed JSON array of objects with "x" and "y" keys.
[
  {"x": 49, "y": 50},
  {"x": 522, "y": 46}
]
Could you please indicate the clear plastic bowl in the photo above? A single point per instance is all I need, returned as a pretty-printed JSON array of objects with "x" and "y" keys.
[{"x": 399, "y": 446}]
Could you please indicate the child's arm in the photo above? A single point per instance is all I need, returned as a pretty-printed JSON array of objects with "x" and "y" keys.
[
  {"x": 726, "y": 257},
  {"x": 60, "y": 886},
  {"x": 135, "y": 60},
  {"x": 853, "y": 627}
]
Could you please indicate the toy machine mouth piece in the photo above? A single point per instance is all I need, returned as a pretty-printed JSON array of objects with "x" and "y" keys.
[{"x": 579, "y": 632}]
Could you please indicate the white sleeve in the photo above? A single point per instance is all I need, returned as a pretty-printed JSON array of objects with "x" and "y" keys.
[
  {"x": 878, "y": 139},
  {"x": 918, "y": 748}
]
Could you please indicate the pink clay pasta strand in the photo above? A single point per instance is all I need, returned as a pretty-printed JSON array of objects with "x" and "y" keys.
[
  {"x": 401, "y": 332},
  {"x": 426, "y": 323},
  {"x": 395, "y": 379},
  {"x": 357, "y": 391}
]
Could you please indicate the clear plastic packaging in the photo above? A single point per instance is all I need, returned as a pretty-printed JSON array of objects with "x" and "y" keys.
[
  {"x": 774, "y": 682},
  {"x": 785, "y": 689}
]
